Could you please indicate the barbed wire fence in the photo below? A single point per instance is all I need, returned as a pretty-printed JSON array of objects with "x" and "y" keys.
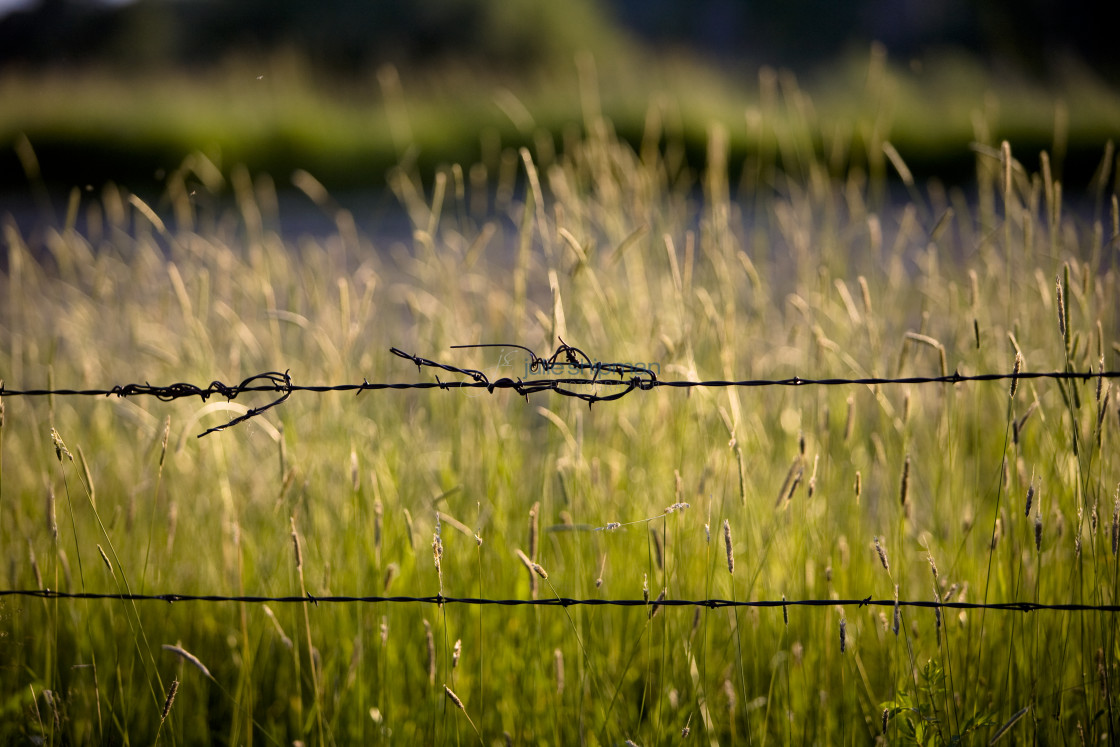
[{"x": 582, "y": 373}]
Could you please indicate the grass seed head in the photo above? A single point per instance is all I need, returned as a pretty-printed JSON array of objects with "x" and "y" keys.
[
  {"x": 882, "y": 555},
  {"x": 534, "y": 529},
  {"x": 60, "y": 449},
  {"x": 170, "y": 700},
  {"x": 843, "y": 635},
  {"x": 1061, "y": 306},
  {"x": 105, "y": 558},
  {"x": 296, "y": 545},
  {"x": 453, "y": 698},
  {"x": 1116, "y": 523},
  {"x": 904, "y": 483},
  {"x": 1015, "y": 374},
  {"x": 392, "y": 570},
  {"x": 897, "y": 623},
  {"x": 727, "y": 545},
  {"x": 162, "y": 446}
]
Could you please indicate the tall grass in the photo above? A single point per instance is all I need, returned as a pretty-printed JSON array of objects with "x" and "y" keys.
[{"x": 631, "y": 256}]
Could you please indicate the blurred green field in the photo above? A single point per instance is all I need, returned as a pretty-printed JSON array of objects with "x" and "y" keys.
[
  {"x": 277, "y": 114},
  {"x": 625, "y": 251}
]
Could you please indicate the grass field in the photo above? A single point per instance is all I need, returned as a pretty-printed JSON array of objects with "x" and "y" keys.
[{"x": 915, "y": 492}]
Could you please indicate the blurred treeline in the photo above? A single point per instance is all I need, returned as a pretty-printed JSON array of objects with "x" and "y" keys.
[
  {"x": 126, "y": 90},
  {"x": 352, "y": 36}
]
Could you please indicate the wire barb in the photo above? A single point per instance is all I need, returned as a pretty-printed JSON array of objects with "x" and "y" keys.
[
  {"x": 563, "y": 373},
  {"x": 439, "y": 600}
]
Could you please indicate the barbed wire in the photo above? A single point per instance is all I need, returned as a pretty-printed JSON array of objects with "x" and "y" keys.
[
  {"x": 624, "y": 377},
  {"x": 440, "y": 599}
]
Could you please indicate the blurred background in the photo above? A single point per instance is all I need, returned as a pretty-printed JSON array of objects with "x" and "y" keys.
[{"x": 126, "y": 90}]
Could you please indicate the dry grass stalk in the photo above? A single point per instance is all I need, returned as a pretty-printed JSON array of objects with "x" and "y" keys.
[
  {"x": 408, "y": 525},
  {"x": 188, "y": 656},
  {"x": 793, "y": 479},
  {"x": 276, "y": 623},
  {"x": 52, "y": 514},
  {"x": 602, "y": 567},
  {"x": 34, "y": 565},
  {"x": 658, "y": 552},
  {"x": 558, "y": 661},
  {"x": 430, "y": 641},
  {"x": 88, "y": 476},
  {"x": 850, "y": 418},
  {"x": 865, "y": 293},
  {"x": 378, "y": 514},
  {"x": 534, "y": 529},
  {"x": 1007, "y": 726}
]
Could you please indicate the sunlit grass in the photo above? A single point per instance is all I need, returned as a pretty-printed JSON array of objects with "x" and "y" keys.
[{"x": 820, "y": 492}]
